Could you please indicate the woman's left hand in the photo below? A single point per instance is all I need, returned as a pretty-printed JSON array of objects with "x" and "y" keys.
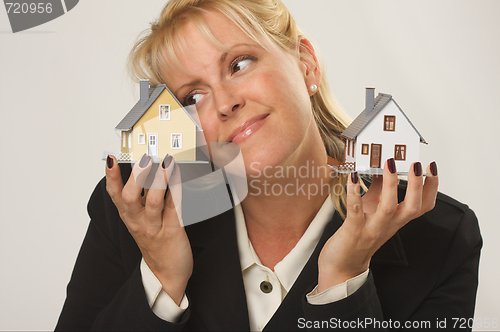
[{"x": 372, "y": 220}]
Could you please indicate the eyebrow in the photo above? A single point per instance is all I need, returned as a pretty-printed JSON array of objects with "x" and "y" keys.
[
  {"x": 223, "y": 58},
  {"x": 231, "y": 48},
  {"x": 221, "y": 61}
]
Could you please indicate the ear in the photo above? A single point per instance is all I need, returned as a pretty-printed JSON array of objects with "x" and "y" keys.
[{"x": 310, "y": 64}]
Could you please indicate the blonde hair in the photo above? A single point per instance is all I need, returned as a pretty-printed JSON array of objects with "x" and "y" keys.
[{"x": 257, "y": 18}]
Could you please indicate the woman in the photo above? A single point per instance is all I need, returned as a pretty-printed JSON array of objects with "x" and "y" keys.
[{"x": 283, "y": 262}]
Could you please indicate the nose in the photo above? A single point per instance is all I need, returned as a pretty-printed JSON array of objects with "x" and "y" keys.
[{"x": 228, "y": 100}]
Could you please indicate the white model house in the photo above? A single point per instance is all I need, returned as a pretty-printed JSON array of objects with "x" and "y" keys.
[{"x": 380, "y": 132}]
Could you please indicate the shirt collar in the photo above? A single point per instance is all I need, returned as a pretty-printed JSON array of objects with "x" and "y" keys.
[{"x": 290, "y": 267}]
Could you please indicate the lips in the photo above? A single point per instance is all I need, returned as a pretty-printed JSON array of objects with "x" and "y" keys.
[{"x": 247, "y": 128}]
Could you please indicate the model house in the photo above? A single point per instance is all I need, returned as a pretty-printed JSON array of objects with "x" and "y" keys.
[
  {"x": 380, "y": 132},
  {"x": 158, "y": 124}
]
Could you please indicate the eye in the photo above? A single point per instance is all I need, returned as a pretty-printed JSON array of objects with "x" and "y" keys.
[
  {"x": 240, "y": 63},
  {"x": 192, "y": 98}
]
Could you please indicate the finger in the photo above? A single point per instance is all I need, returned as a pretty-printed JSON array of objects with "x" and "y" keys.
[
  {"x": 144, "y": 195},
  {"x": 175, "y": 183},
  {"x": 167, "y": 165},
  {"x": 158, "y": 180},
  {"x": 114, "y": 182},
  {"x": 132, "y": 190},
  {"x": 430, "y": 189},
  {"x": 354, "y": 203},
  {"x": 155, "y": 199},
  {"x": 377, "y": 181},
  {"x": 411, "y": 207},
  {"x": 389, "y": 195},
  {"x": 172, "y": 214},
  {"x": 372, "y": 196}
]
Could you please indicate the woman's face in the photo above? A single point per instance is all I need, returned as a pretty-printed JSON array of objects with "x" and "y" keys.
[{"x": 253, "y": 97}]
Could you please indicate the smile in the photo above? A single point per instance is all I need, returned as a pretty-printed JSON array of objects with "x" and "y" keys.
[{"x": 247, "y": 128}]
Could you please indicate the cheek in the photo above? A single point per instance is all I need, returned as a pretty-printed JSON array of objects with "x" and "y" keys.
[{"x": 285, "y": 86}]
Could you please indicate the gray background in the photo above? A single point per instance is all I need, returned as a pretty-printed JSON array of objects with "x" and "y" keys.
[{"x": 63, "y": 89}]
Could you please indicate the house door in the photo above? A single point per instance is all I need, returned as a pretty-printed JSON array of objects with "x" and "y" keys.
[
  {"x": 153, "y": 145},
  {"x": 375, "y": 156}
]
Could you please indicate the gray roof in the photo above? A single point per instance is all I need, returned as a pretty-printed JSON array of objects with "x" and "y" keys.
[
  {"x": 137, "y": 111},
  {"x": 364, "y": 119}
]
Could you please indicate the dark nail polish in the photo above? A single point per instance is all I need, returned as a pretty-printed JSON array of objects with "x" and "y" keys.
[
  {"x": 166, "y": 161},
  {"x": 391, "y": 164},
  {"x": 144, "y": 161},
  {"x": 434, "y": 168},
  {"x": 417, "y": 168},
  {"x": 354, "y": 177},
  {"x": 109, "y": 162}
]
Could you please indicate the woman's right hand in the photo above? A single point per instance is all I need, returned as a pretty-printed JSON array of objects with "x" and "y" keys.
[{"x": 153, "y": 220}]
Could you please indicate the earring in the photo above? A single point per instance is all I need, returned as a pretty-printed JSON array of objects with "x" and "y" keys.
[{"x": 313, "y": 88}]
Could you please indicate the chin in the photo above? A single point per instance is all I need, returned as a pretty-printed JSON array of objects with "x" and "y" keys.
[
  {"x": 266, "y": 151},
  {"x": 262, "y": 161}
]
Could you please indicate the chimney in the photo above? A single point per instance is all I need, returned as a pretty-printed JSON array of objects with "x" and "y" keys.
[
  {"x": 370, "y": 100},
  {"x": 144, "y": 91}
]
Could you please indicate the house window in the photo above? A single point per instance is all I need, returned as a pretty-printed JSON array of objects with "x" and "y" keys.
[
  {"x": 124, "y": 139},
  {"x": 176, "y": 141},
  {"x": 130, "y": 140},
  {"x": 141, "y": 139},
  {"x": 400, "y": 152},
  {"x": 164, "y": 112},
  {"x": 365, "y": 148},
  {"x": 389, "y": 122}
]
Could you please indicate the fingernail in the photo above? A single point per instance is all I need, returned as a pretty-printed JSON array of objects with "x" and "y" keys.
[
  {"x": 144, "y": 160},
  {"x": 391, "y": 164},
  {"x": 166, "y": 161},
  {"x": 434, "y": 168},
  {"x": 354, "y": 177},
  {"x": 417, "y": 168},
  {"x": 109, "y": 162}
]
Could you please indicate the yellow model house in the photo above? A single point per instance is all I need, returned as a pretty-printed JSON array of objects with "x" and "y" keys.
[{"x": 158, "y": 124}]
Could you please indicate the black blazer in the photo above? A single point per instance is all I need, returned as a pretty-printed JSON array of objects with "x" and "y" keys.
[{"x": 427, "y": 272}]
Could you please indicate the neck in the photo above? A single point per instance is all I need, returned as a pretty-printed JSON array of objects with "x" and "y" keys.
[{"x": 282, "y": 202}]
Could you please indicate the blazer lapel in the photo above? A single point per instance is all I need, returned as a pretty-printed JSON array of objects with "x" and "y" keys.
[
  {"x": 216, "y": 290},
  {"x": 391, "y": 253}
]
